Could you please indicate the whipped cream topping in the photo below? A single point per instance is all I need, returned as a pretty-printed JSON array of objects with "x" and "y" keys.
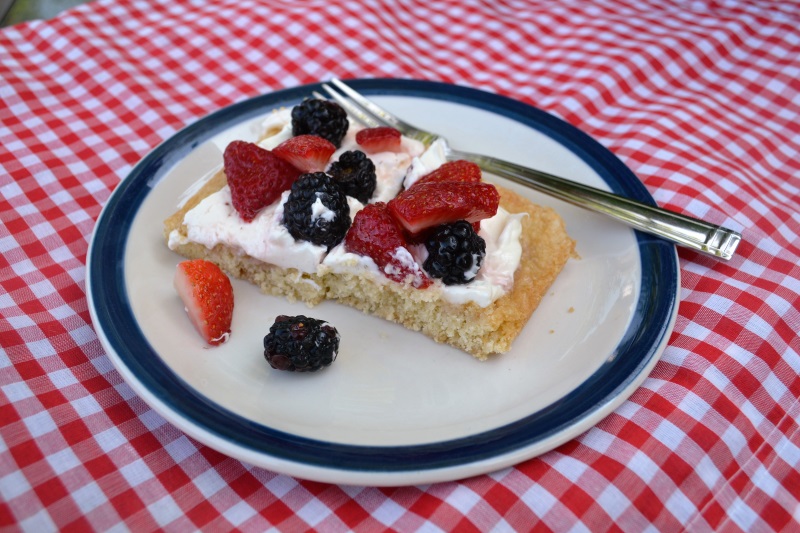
[
  {"x": 320, "y": 210},
  {"x": 214, "y": 221},
  {"x": 494, "y": 278},
  {"x": 277, "y": 127},
  {"x": 496, "y": 274},
  {"x": 390, "y": 167},
  {"x": 431, "y": 159}
]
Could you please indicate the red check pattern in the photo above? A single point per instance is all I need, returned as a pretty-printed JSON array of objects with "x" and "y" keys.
[{"x": 701, "y": 99}]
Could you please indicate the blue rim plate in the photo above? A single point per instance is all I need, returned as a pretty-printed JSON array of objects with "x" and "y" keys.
[{"x": 618, "y": 374}]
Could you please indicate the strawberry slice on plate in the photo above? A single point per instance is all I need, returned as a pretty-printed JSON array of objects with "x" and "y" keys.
[
  {"x": 256, "y": 177},
  {"x": 431, "y": 204},
  {"x": 459, "y": 170},
  {"x": 207, "y": 296},
  {"x": 375, "y": 234},
  {"x": 309, "y": 153},
  {"x": 381, "y": 139}
]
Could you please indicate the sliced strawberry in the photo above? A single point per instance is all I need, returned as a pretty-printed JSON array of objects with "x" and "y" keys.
[
  {"x": 375, "y": 234},
  {"x": 309, "y": 153},
  {"x": 256, "y": 177},
  {"x": 383, "y": 139},
  {"x": 460, "y": 170},
  {"x": 207, "y": 295},
  {"x": 431, "y": 204}
]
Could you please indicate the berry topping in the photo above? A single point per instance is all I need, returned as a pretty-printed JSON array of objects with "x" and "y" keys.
[
  {"x": 375, "y": 234},
  {"x": 355, "y": 173},
  {"x": 308, "y": 153},
  {"x": 317, "y": 210},
  {"x": 455, "y": 253},
  {"x": 383, "y": 139},
  {"x": 256, "y": 177},
  {"x": 431, "y": 204},
  {"x": 459, "y": 170},
  {"x": 207, "y": 295},
  {"x": 320, "y": 117},
  {"x": 300, "y": 344}
]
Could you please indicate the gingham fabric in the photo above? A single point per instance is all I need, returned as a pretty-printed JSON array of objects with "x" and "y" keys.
[{"x": 700, "y": 99}]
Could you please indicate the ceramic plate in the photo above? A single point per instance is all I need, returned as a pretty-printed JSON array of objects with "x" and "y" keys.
[{"x": 395, "y": 408}]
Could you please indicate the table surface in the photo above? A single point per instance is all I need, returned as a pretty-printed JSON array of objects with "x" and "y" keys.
[{"x": 700, "y": 99}]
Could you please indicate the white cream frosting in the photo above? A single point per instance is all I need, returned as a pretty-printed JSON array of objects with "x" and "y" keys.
[
  {"x": 320, "y": 210},
  {"x": 494, "y": 278},
  {"x": 496, "y": 274},
  {"x": 214, "y": 221},
  {"x": 427, "y": 162},
  {"x": 279, "y": 121},
  {"x": 390, "y": 167}
]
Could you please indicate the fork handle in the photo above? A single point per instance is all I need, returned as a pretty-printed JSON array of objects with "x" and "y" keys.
[{"x": 680, "y": 229}]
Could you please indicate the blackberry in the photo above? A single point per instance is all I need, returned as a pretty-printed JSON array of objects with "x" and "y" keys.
[
  {"x": 317, "y": 210},
  {"x": 323, "y": 118},
  {"x": 355, "y": 173},
  {"x": 455, "y": 253},
  {"x": 300, "y": 344}
]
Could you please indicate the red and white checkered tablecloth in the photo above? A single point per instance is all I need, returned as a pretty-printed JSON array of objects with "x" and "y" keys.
[{"x": 700, "y": 98}]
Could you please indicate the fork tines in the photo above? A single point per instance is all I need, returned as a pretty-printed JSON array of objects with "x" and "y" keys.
[{"x": 365, "y": 111}]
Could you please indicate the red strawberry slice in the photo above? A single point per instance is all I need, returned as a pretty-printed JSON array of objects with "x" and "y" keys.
[
  {"x": 431, "y": 204},
  {"x": 256, "y": 177},
  {"x": 382, "y": 139},
  {"x": 459, "y": 170},
  {"x": 207, "y": 295},
  {"x": 309, "y": 153},
  {"x": 375, "y": 234}
]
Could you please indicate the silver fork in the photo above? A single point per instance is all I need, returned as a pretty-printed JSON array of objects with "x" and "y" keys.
[{"x": 675, "y": 227}]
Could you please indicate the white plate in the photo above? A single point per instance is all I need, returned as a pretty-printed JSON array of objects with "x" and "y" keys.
[{"x": 395, "y": 408}]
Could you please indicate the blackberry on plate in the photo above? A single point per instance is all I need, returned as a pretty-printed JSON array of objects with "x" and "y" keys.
[
  {"x": 300, "y": 344},
  {"x": 317, "y": 210},
  {"x": 355, "y": 173},
  {"x": 323, "y": 118},
  {"x": 455, "y": 253}
]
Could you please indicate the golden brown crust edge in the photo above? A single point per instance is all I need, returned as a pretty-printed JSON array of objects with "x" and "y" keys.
[{"x": 546, "y": 248}]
